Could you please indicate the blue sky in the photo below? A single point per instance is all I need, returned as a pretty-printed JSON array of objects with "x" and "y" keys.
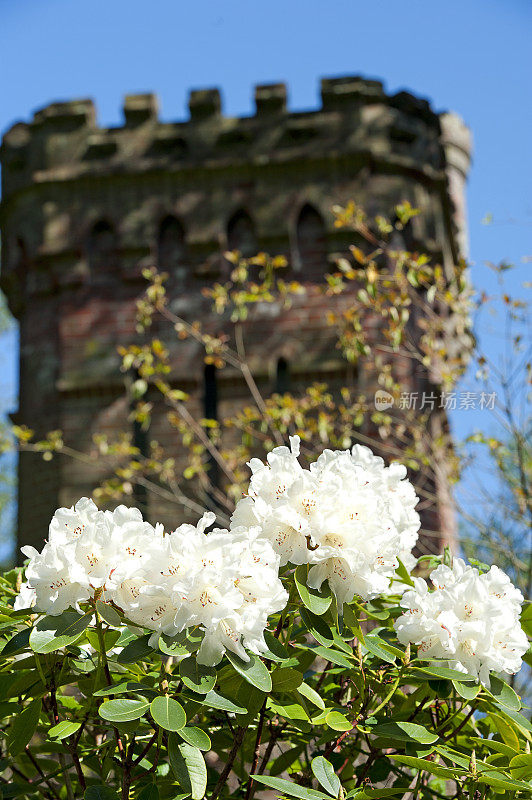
[{"x": 470, "y": 56}]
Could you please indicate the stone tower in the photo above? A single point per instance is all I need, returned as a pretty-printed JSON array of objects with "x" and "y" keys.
[{"x": 85, "y": 208}]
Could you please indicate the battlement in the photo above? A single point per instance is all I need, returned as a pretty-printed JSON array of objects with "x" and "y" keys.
[{"x": 356, "y": 115}]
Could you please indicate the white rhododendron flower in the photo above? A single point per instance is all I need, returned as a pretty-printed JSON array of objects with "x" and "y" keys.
[
  {"x": 469, "y": 619},
  {"x": 87, "y": 551},
  {"x": 224, "y": 582},
  {"x": 25, "y": 598},
  {"x": 349, "y": 516}
]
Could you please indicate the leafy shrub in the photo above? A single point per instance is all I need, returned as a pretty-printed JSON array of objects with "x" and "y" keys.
[{"x": 344, "y": 695}]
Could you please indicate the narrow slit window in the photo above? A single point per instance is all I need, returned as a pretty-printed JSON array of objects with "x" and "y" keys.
[
  {"x": 210, "y": 411},
  {"x": 282, "y": 377},
  {"x": 142, "y": 443},
  {"x": 210, "y": 396}
]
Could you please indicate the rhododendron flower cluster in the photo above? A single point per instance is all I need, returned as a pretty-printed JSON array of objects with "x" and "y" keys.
[
  {"x": 225, "y": 582},
  {"x": 348, "y": 516},
  {"x": 469, "y": 619}
]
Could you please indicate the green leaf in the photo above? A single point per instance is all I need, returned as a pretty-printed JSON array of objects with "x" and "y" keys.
[
  {"x": 168, "y": 713},
  {"x": 504, "y": 694},
  {"x": 217, "y": 701},
  {"x": 376, "y": 646},
  {"x": 150, "y": 792},
  {"x": 108, "y": 614},
  {"x": 440, "y": 687},
  {"x": 374, "y": 612},
  {"x": 506, "y": 731},
  {"x": 404, "y": 574},
  {"x": 518, "y": 719},
  {"x": 499, "y": 781},
  {"x": 427, "y": 766},
  {"x": 493, "y": 744},
  {"x": 467, "y": 690},
  {"x": 110, "y": 638},
  {"x": 526, "y": 618},
  {"x": 340, "y": 659},
  {"x": 405, "y": 732},
  {"x": 337, "y": 721},
  {"x": 23, "y": 728},
  {"x": 8, "y": 710},
  {"x": 250, "y": 697},
  {"x": 370, "y": 611},
  {"x": 125, "y": 688},
  {"x": 276, "y": 651},
  {"x": 53, "y": 633},
  {"x": 317, "y": 602},
  {"x": 176, "y": 646},
  {"x": 312, "y": 695},
  {"x": 375, "y": 649},
  {"x": 284, "y": 679},
  {"x": 444, "y": 672},
  {"x": 18, "y": 642},
  {"x": 254, "y": 670},
  {"x": 289, "y": 788},
  {"x": 123, "y": 710},
  {"x": 188, "y": 766},
  {"x": 100, "y": 792},
  {"x": 195, "y": 737},
  {"x": 288, "y": 710},
  {"x": 198, "y": 677},
  {"x": 351, "y": 620},
  {"x": 376, "y": 794},
  {"x": 136, "y": 650},
  {"x": 127, "y": 635},
  {"x": 317, "y": 627},
  {"x": 64, "y": 729},
  {"x": 325, "y": 775},
  {"x": 521, "y": 766}
]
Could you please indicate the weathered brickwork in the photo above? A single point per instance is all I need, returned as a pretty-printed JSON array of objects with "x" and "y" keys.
[{"x": 84, "y": 209}]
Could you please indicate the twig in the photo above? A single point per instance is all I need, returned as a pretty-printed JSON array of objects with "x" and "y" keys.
[
  {"x": 230, "y": 761},
  {"x": 251, "y": 783},
  {"x": 149, "y": 745},
  {"x": 270, "y": 746},
  {"x": 459, "y": 728},
  {"x": 39, "y": 770}
]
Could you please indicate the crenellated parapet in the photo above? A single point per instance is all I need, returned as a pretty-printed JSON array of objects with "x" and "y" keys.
[
  {"x": 63, "y": 140},
  {"x": 62, "y": 174}
]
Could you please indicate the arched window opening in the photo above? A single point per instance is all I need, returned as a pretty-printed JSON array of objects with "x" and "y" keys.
[
  {"x": 171, "y": 247},
  {"x": 311, "y": 244},
  {"x": 241, "y": 234},
  {"x": 282, "y": 376},
  {"x": 102, "y": 247}
]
